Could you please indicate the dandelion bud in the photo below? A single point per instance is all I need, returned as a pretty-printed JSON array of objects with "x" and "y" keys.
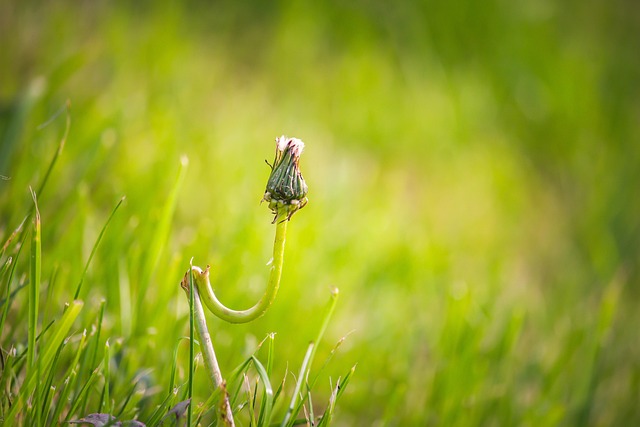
[{"x": 286, "y": 190}]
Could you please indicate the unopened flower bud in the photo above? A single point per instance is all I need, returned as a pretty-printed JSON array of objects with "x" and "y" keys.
[{"x": 286, "y": 190}]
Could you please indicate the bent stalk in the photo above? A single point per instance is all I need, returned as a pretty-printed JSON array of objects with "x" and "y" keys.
[
  {"x": 286, "y": 193},
  {"x": 201, "y": 278}
]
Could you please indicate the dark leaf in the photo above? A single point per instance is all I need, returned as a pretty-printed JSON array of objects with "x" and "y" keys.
[
  {"x": 177, "y": 411},
  {"x": 98, "y": 420},
  {"x": 105, "y": 420}
]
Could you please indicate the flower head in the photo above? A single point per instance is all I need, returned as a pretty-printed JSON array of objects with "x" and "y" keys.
[{"x": 286, "y": 190}]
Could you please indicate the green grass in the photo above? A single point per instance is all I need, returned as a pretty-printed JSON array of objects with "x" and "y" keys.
[{"x": 472, "y": 175}]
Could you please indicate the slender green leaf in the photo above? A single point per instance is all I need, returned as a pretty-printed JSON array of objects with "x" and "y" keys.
[
  {"x": 191, "y": 345},
  {"x": 267, "y": 401},
  {"x": 70, "y": 377},
  {"x": 288, "y": 420},
  {"x": 160, "y": 235},
  {"x": 105, "y": 398},
  {"x": 34, "y": 284},
  {"x": 59, "y": 149},
  {"x": 95, "y": 247}
]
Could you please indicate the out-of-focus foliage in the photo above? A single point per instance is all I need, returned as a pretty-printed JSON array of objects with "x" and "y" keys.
[{"x": 473, "y": 172}]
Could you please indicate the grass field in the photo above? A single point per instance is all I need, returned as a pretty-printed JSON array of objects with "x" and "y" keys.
[{"x": 474, "y": 193}]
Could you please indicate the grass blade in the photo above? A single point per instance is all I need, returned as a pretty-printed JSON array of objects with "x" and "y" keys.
[
  {"x": 335, "y": 395},
  {"x": 105, "y": 399},
  {"x": 5, "y": 379},
  {"x": 331, "y": 306},
  {"x": 160, "y": 237},
  {"x": 191, "y": 346},
  {"x": 91, "y": 356},
  {"x": 128, "y": 397},
  {"x": 7, "y": 299},
  {"x": 294, "y": 406},
  {"x": 124, "y": 294},
  {"x": 294, "y": 399},
  {"x": 93, "y": 250},
  {"x": 59, "y": 149},
  {"x": 155, "y": 417},
  {"x": 235, "y": 378},
  {"x": 6, "y": 266},
  {"x": 100, "y": 319},
  {"x": 34, "y": 284},
  {"x": 13, "y": 235},
  {"x": 49, "y": 388},
  {"x": 251, "y": 400},
  {"x": 79, "y": 397},
  {"x": 174, "y": 367},
  {"x": 37, "y": 396},
  {"x": 272, "y": 338},
  {"x": 69, "y": 381},
  {"x": 267, "y": 401},
  {"x": 52, "y": 164}
]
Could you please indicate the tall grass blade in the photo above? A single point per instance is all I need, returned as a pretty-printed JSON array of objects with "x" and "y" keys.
[
  {"x": 160, "y": 235},
  {"x": 191, "y": 345},
  {"x": 5, "y": 268},
  {"x": 174, "y": 366},
  {"x": 69, "y": 380},
  {"x": 105, "y": 400},
  {"x": 234, "y": 378},
  {"x": 96, "y": 341},
  {"x": 127, "y": 399},
  {"x": 124, "y": 293},
  {"x": 52, "y": 164},
  {"x": 36, "y": 409},
  {"x": 93, "y": 250},
  {"x": 211, "y": 404},
  {"x": 295, "y": 406},
  {"x": 7, "y": 298},
  {"x": 54, "y": 160},
  {"x": 280, "y": 388},
  {"x": 341, "y": 385},
  {"x": 49, "y": 309},
  {"x": 48, "y": 385},
  {"x": 288, "y": 420},
  {"x": 91, "y": 356},
  {"x": 34, "y": 284},
  {"x": 160, "y": 409},
  {"x": 13, "y": 235},
  {"x": 605, "y": 317},
  {"x": 267, "y": 401},
  {"x": 5, "y": 380},
  {"x": 345, "y": 382},
  {"x": 251, "y": 400},
  {"x": 330, "y": 308},
  {"x": 80, "y": 396}
]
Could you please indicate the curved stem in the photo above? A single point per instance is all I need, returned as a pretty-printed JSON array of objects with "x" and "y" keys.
[{"x": 209, "y": 298}]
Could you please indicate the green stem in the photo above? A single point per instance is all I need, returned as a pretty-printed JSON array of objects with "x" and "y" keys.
[
  {"x": 191, "y": 296},
  {"x": 209, "y": 355},
  {"x": 209, "y": 298}
]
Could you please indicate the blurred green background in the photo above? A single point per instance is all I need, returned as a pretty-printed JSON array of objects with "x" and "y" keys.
[{"x": 473, "y": 171}]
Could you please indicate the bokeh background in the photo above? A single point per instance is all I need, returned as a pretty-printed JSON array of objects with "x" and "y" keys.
[{"x": 474, "y": 173}]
